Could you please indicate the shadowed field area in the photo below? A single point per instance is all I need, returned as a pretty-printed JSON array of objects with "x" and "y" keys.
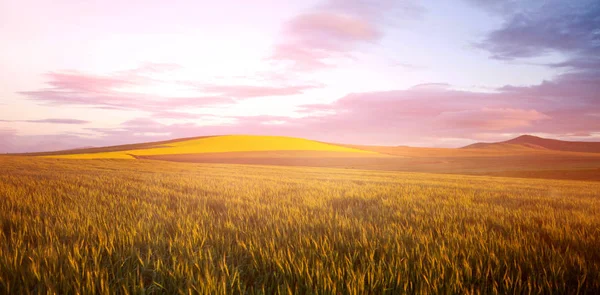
[
  {"x": 122, "y": 226},
  {"x": 538, "y": 143},
  {"x": 552, "y": 165}
]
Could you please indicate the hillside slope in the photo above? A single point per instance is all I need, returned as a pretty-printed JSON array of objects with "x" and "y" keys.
[
  {"x": 202, "y": 145},
  {"x": 528, "y": 142}
]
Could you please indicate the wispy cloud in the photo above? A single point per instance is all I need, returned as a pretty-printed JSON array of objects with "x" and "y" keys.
[
  {"x": 334, "y": 30},
  {"x": 248, "y": 91},
  {"x": 57, "y": 121},
  {"x": 110, "y": 91},
  {"x": 121, "y": 91}
]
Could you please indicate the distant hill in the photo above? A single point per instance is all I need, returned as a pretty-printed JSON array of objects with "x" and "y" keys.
[
  {"x": 203, "y": 145},
  {"x": 529, "y": 142},
  {"x": 525, "y": 156}
]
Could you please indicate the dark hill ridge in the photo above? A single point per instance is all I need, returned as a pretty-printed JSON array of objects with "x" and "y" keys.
[
  {"x": 534, "y": 142},
  {"x": 115, "y": 148}
]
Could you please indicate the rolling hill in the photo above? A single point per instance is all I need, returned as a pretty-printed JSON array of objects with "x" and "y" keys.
[
  {"x": 525, "y": 156},
  {"x": 205, "y": 145},
  {"x": 529, "y": 142}
]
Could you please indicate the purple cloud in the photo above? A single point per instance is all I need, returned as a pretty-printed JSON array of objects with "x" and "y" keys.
[
  {"x": 534, "y": 29},
  {"x": 58, "y": 121},
  {"x": 502, "y": 7},
  {"x": 174, "y": 115}
]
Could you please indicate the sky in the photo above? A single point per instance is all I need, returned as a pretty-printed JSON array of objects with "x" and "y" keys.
[{"x": 379, "y": 72}]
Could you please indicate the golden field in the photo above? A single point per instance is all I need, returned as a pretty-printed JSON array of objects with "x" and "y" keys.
[
  {"x": 216, "y": 144},
  {"x": 154, "y": 227}
]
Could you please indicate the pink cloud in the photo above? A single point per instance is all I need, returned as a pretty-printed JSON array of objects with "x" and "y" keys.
[
  {"x": 247, "y": 91},
  {"x": 437, "y": 111},
  {"x": 152, "y": 67},
  {"x": 328, "y": 29},
  {"x": 117, "y": 100},
  {"x": 303, "y": 58},
  {"x": 75, "y": 88},
  {"x": 334, "y": 30},
  {"x": 432, "y": 86},
  {"x": 58, "y": 121},
  {"x": 81, "y": 82},
  {"x": 141, "y": 122},
  {"x": 579, "y": 84},
  {"x": 490, "y": 119},
  {"x": 174, "y": 115},
  {"x": 107, "y": 91}
]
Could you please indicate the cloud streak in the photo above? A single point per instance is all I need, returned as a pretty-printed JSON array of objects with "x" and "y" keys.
[
  {"x": 121, "y": 91},
  {"x": 335, "y": 30},
  {"x": 247, "y": 91},
  {"x": 75, "y": 88},
  {"x": 56, "y": 121}
]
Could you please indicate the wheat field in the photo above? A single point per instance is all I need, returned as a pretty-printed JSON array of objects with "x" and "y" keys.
[
  {"x": 215, "y": 144},
  {"x": 151, "y": 227}
]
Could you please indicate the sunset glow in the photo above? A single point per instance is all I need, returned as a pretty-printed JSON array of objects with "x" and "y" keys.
[
  {"x": 420, "y": 73},
  {"x": 299, "y": 147}
]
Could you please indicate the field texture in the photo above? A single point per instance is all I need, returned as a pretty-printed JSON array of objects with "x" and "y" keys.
[
  {"x": 118, "y": 226},
  {"x": 552, "y": 165}
]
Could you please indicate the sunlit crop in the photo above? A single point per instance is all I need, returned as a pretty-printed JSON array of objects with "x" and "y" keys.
[
  {"x": 221, "y": 144},
  {"x": 113, "y": 226}
]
